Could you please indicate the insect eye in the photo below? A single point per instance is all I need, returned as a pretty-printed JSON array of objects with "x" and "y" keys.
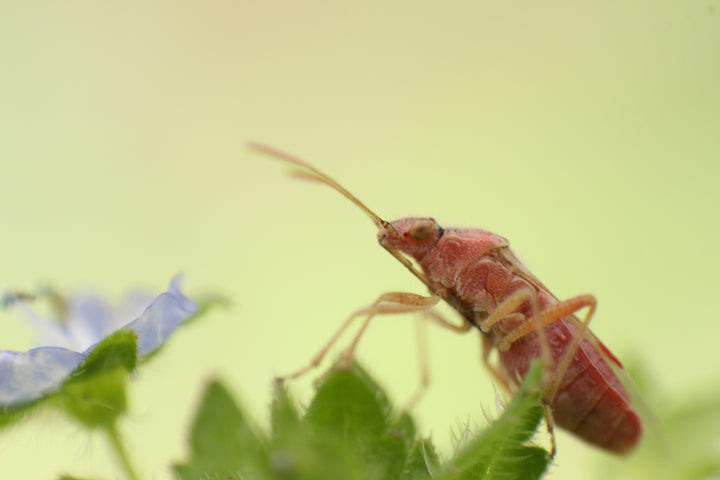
[{"x": 421, "y": 229}]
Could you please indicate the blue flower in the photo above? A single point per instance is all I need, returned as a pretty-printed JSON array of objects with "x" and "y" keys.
[{"x": 85, "y": 321}]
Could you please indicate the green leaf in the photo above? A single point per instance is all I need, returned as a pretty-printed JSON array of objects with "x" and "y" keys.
[
  {"x": 284, "y": 417},
  {"x": 94, "y": 394},
  {"x": 345, "y": 407},
  {"x": 394, "y": 446},
  {"x": 499, "y": 451},
  {"x": 118, "y": 350},
  {"x": 297, "y": 452},
  {"x": 422, "y": 462},
  {"x": 354, "y": 412},
  {"x": 300, "y": 455},
  {"x": 349, "y": 432},
  {"x": 96, "y": 401},
  {"x": 222, "y": 443},
  {"x": 16, "y": 413}
]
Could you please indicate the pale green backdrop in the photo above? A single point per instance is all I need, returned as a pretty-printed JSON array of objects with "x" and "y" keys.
[{"x": 586, "y": 133}]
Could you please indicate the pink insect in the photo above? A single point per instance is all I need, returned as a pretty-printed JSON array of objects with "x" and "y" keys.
[{"x": 475, "y": 272}]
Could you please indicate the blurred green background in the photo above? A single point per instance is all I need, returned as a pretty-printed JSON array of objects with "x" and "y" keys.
[{"x": 587, "y": 134}]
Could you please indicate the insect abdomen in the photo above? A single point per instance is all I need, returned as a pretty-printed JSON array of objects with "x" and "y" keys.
[{"x": 590, "y": 402}]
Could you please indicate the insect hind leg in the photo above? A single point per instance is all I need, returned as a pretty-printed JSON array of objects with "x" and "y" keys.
[
  {"x": 551, "y": 314},
  {"x": 506, "y": 310}
]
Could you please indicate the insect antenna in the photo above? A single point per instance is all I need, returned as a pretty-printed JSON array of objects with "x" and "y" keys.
[
  {"x": 312, "y": 173},
  {"x": 309, "y": 172}
]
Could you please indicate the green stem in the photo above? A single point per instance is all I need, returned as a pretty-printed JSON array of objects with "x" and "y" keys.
[{"x": 119, "y": 447}]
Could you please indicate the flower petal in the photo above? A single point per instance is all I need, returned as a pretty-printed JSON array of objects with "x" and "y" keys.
[
  {"x": 25, "y": 376},
  {"x": 161, "y": 318},
  {"x": 89, "y": 319},
  {"x": 28, "y": 375}
]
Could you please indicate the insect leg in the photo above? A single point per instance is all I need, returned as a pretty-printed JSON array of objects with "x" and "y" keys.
[
  {"x": 440, "y": 320},
  {"x": 552, "y": 314},
  {"x": 421, "y": 331},
  {"x": 422, "y": 352},
  {"x": 392, "y": 302},
  {"x": 498, "y": 374},
  {"x": 552, "y": 388},
  {"x": 387, "y": 303},
  {"x": 550, "y": 422},
  {"x": 506, "y": 310}
]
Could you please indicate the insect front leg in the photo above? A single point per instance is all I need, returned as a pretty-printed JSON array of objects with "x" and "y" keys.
[{"x": 388, "y": 303}]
